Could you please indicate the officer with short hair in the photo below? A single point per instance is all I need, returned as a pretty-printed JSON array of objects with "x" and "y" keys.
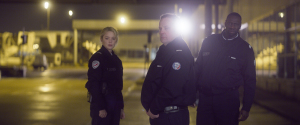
[
  {"x": 169, "y": 86},
  {"x": 225, "y": 62}
]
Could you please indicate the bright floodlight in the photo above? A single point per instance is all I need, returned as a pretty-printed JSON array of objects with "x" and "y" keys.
[
  {"x": 35, "y": 46},
  {"x": 281, "y": 14},
  {"x": 213, "y": 26},
  {"x": 122, "y": 20},
  {"x": 70, "y": 12},
  {"x": 183, "y": 26},
  {"x": 46, "y": 5}
]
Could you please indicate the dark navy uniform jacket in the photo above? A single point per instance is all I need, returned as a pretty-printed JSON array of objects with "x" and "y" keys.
[
  {"x": 223, "y": 64},
  {"x": 104, "y": 67},
  {"x": 170, "y": 80}
]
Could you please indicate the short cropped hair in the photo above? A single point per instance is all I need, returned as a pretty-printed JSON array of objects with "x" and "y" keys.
[
  {"x": 106, "y": 29},
  {"x": 234, "y": 14},
  {"x": 169, "y": 15}
]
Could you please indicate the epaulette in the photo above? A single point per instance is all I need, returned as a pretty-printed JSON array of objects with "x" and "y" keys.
[{"x": 245, "y": 42}]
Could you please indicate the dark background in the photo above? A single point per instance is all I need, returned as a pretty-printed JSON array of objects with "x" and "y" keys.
[{"x": 33, "y": 16}]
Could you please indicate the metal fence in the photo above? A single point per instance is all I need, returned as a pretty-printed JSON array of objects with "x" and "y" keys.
[{"x": 274, "y": 38}]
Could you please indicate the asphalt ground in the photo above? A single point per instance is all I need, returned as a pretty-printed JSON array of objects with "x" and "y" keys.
[{"x": 57, "y": 97}]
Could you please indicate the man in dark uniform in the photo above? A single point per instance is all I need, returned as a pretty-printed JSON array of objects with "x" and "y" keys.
[
  {"x": 225, "y": 62},
  {"x": 169, "y": 86}
]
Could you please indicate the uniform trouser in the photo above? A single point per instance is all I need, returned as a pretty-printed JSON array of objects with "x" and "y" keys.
[
  {"x": 113, "y": 113},
  {"x": 177, "y": 118},
  {"x": 222, "y": 109}
]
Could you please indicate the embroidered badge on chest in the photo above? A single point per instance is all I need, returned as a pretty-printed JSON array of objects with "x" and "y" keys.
[
  {"x": 95, "y": 64},
  {"x": 176, "y": 66}
]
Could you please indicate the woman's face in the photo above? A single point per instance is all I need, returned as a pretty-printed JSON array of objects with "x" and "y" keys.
[{"x": 109, "y": 40}]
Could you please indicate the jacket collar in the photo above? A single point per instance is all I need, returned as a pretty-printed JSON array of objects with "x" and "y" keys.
[
  {"x": 106, "y": 52},
  {"x": 237, "y": 35},
  {"x": 172, "y": 44}
]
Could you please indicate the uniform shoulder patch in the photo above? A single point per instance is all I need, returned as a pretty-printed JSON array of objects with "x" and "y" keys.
[
  {"x": 250, "y": 47},
  {"x": 176, "y": 66},
  {"x": 95, "y": 64}
]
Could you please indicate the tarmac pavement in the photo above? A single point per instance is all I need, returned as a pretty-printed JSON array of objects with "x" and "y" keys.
[
  {"x": 135, "y": 113},
  {"x": 268, "y": 108},
  {"x": 287, "y": 108}
]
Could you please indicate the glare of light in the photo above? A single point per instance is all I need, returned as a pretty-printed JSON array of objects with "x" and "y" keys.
[
  {"x": 219, "y": 26},
  {"x": 45, "y": 89},
  {"x": 35, "y": 46},
  {"x": 213, "y": 26},
  {"x": 202, "y": 26},
  {"x": 180, "y": 10},
  {"x": 46, "y": 5},
  {"x": 281, "y": 14},
  {"x": 183, "y": 25},
  {"x": 70, "y": 12},
  {"x": 244, "y": 26},
  {"x": 123, "y": 20}
]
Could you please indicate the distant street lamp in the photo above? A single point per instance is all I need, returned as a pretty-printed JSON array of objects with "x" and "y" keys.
[
  {"x": 123, "y": 20},
  {"x": 46, "y": 5},
  {"x": 70, "y": 13},
  {"x": 281, "y": 14}
]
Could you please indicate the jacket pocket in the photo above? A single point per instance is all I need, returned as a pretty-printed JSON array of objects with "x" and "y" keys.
[
  {"x": 229, "y": 71},
  {"x": 209, "y": 65},
  {"x": 155, "y": 72}
]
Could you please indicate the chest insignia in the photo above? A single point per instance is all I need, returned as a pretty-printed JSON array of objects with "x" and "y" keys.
[
  {"x": 95, "y": 64},
  {"x": 176, "y": 66},
  {"x": 159, "y": 66}
]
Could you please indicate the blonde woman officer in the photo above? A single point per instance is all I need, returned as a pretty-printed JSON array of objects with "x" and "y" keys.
[{"x": 105, "y": 82}]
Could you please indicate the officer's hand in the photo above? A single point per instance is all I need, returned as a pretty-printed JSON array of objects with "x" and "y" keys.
[
  {"x": 243, "y": 115},
  {"x": 102, "y": 113},
  {"x": 149, "y": 113},
  {"x": 122, "y": 114}
]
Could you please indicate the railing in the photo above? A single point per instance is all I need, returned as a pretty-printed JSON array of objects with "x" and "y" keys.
[{"x": 274, "y": 38}]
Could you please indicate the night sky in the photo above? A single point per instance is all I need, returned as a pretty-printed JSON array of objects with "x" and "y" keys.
[{"x": 15, "y": 17}]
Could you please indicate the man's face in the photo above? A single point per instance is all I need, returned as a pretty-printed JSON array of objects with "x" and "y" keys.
[
  {"x": 233, "y": 25},
  {"x": 167, "y": 31}
]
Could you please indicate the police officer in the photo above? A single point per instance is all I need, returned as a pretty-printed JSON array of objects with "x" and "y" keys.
[
  {"x": 105, "y": 82},
  {"x": 169, "y": 86},
  {"x": 225, "y": 62}
]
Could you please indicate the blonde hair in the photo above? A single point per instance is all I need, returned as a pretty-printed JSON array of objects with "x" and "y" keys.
[{"x": 106, "y": 29}]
